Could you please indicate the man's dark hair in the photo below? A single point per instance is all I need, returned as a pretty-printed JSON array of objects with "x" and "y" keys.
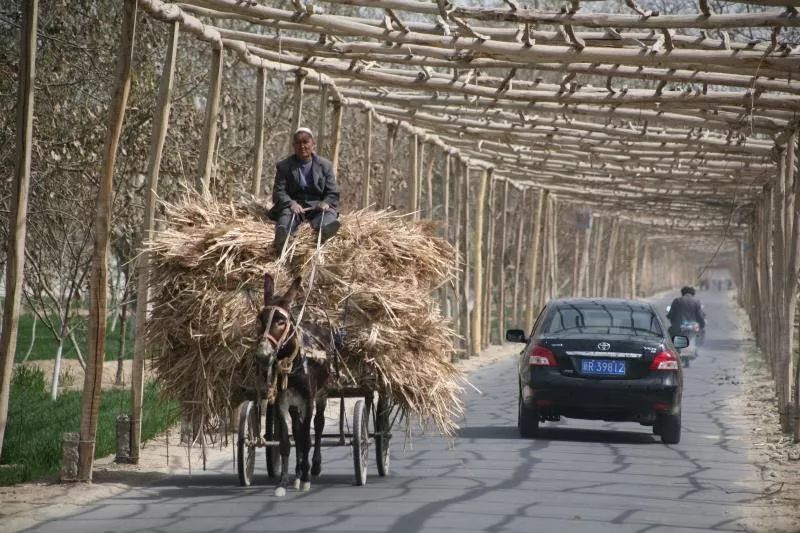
[{"x": 687, "y": 290}]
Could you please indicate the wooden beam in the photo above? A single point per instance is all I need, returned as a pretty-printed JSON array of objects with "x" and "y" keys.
[
  {"x": 98, "y": 287},
  {"x": 15, "y": 244}
]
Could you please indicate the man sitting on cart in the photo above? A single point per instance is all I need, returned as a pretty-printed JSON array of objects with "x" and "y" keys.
[{"x": 305, "y": 188}]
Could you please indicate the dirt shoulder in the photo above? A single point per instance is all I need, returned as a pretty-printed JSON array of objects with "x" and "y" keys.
[
  {"x": 775, "y": 454},
  {"x": 26, "y": 505}
]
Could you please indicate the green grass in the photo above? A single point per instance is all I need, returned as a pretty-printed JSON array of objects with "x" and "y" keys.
[
  {"x": 36, "y": 423},
  {"x": 46, "y": 344}
]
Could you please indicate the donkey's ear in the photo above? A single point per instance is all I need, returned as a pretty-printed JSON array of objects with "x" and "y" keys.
[
  {"x": 269, "y": 289},
  {"x": 292, "y": 292}
]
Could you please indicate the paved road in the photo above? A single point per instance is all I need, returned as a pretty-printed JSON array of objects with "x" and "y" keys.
[{"x": 579, "y": 476}]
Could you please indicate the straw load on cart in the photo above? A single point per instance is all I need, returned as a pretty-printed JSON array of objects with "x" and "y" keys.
[{"x": 372, "y": 289}]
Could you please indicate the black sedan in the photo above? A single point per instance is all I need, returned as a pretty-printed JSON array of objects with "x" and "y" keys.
[{"x": 600, "y": 359}]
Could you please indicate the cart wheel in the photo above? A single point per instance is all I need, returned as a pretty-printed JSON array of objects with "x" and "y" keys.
[
  {"x": 273, "y": 452},
  {"x": 360, "y": 441},
  {"x": 382, "y": 438},
  {"x": 246, "y": 443}
]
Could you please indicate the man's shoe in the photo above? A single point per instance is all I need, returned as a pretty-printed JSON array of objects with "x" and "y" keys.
[{"x": 330, "y": 229}]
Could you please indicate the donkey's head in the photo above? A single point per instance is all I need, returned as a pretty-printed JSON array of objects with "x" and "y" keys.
[{"x": 278, "y": 335}]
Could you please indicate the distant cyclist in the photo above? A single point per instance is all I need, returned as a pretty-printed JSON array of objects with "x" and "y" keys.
[{"x": 686, "y": 309}]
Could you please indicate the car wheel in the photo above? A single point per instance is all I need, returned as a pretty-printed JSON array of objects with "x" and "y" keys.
[
  {"x": 670, "y": 428},
  {"x": 527, "y": 421}
]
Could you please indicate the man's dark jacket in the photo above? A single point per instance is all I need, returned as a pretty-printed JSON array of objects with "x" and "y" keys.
[
  {"x": 685, "y": 308},
  {"x": 323, "y": 186}
]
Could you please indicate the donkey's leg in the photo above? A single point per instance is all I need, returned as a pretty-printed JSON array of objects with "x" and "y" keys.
[
  {"x": 297, "y": 432},
  {"x": 319, "y": 426},
  {"x": 285, "y": 445},
  {"x": 306, "y": 432}
]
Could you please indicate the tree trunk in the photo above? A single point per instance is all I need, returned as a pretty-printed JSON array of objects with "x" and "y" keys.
[
  {"x": 15, "y": 245},
  {"x": 57, "y": 368},
  {"x": 98, "y": 287}
]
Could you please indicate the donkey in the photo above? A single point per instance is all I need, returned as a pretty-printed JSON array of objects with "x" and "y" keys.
[{"x": 300, "y": 384}]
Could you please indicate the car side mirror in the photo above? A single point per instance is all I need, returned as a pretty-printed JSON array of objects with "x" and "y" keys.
[
  {"x": 515, "y": 335},
  {"x": 680, "y": 341}
]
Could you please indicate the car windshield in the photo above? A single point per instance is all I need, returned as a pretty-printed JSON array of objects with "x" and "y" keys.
[{"x": 603, "y": 318}]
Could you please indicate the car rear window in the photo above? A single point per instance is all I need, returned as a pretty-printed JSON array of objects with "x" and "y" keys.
[{"x": 603, "y": 318}]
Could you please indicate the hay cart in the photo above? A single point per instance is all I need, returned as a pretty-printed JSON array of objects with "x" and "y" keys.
[{"x": 372, "y": 419}]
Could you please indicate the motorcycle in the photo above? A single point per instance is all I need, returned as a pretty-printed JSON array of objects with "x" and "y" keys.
[{"x": 690, "y": 329}]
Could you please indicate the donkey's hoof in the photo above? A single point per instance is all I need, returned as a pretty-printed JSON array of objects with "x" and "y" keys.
[
  {"x": 297, "y": 484},
  {"x": 316, "y": 468},
  {"x": 280, "y": 492},
  {"x": 306, "y": 486}
]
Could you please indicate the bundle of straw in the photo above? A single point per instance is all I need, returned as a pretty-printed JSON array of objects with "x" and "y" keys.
[{"x": 373, "y": 283}]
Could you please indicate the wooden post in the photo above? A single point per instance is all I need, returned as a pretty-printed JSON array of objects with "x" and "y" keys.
[
  {"x": 521, "y": 206},
  {"x": 636, "y": 241},
  {"x": 413, "y": 176},
  {"x": 209, "y": 141},
  {"x": 595, "y": 282},
  {"x": 460, "y": 303},
  {"x": 477, "y": 262},
  {"x": 99, "y": 281},
  {"x": 612, "y": 250},
  {"x": 322, "y": 123},
  {"x": 583, "y": 272},
  {"x": 554, "y": 277},
  {"x": 297, "y": 99},
  {"x": 646, "y": 275},
  {"x": 446, "y": 199},
  {"x": 336, "y": 141},
  {"x": 576, "y": 261},
  {"x": 258, "y": 136},
  {"x": 533, "y": 253},
  {"x": 501, "y": 306},
  {"x": 469, "y": 303},
  {"x": 157, "y": 138},
  {"x": 429, "y": 183},
  {"x": 367, "y": 162},
  {"x": 488, "y": 286},
  {"x": 15, "y": 244},
  {"x": 391, "y": 132}
]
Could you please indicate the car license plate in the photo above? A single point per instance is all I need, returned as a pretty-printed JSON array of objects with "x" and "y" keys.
[{"x": 603, "y": 367}]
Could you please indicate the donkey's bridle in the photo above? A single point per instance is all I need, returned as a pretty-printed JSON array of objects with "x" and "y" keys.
[{"x": 288, "y": 333}]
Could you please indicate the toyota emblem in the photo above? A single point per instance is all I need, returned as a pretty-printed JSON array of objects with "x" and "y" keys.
[{"x": 604, "y": 346}]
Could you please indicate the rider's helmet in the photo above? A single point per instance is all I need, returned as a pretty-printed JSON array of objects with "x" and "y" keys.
[{"x": 687, "y": 290}]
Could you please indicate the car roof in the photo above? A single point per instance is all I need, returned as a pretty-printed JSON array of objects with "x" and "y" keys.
[{"x": 600, "y": 302}]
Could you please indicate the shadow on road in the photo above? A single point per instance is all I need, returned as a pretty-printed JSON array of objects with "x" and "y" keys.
[{"x": 560, "y": 433}]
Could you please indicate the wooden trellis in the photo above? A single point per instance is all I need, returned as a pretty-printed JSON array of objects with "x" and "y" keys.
[
  {"x": 645, "y": 117},
  {"x": 679, "y": 134}
]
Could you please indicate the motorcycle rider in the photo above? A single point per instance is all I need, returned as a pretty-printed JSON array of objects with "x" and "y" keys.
[{"x": 686, "y": 309}]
